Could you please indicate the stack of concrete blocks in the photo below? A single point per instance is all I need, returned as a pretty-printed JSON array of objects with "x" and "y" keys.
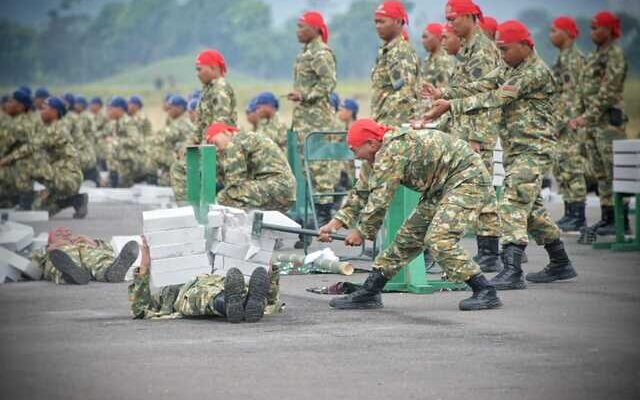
[
  {"x": 231, "y": 242},
  {"x": 626, "y": 166},
  {"x": 498, "y": 168},
  {"x": 14, "y": 239},
  {"x": 177, "y": 246}
]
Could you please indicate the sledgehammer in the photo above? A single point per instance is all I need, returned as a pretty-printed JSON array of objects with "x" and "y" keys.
[{"x": 258, "y": 226}]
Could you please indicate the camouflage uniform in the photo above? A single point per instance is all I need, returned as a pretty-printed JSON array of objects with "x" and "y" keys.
[
  {"x": 602, "y": 86},
  {"x": 99, "y": 127},
  {"x": 569, "y": 170},
  {"x": 192, "y": 299},
  {"x": 394, "y": 82},
  {"x": 478, "y": 56},
  {"x": 94, "y": 259},
  {"x": 437, "y": 68},
  {"x": 16, "y": 135},
  {"x": 274, "y": 130},
  {"x": 167, "y": 143},
  {"x": 79, "y": 128},
  {"x": 124, "y": 151},
  {"x": 315, "y": 78},
  {"x": 453, "y": 185},
  {"x": 256, "y": 174},
  {"x": 178, "y": 178},
  {"x": 525, "y": 95},
  {"x": 146, "y": 130},
  {"x": 217, "y": 104}
]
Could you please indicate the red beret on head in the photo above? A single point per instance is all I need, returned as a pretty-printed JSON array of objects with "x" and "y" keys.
[
  {"x": 462, "y": 7},
  {"x": 314, "y": 19},
  {"x": 393, "y": 9},
  {"x": 363, "y": 130},
  {"x": 608, "y": 19},
  {"x": 212, "y": 57},
  {"x": 513, "y": 32},
  {"x": 434, "y": 29},
  {"x": 218, "y": 127},
  {"x": 489, "y": 24},
  {"x": 567, "y": 24}
]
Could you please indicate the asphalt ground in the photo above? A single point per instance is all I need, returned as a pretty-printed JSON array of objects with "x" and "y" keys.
[{"x": 571, "y": 340}]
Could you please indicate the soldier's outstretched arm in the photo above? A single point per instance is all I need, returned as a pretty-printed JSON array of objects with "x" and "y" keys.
[{"x": 139, "y": 291}]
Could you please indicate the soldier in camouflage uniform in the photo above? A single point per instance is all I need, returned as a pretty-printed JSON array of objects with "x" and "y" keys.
[
  {"x": 125, "y": 143},
  {"x": 78, "y": 259},
  {"x": 314, "y": 80},
  {"x": 167, "y": 143},
  {"x": 269, "y": 124},
  {"x": 477, "y": 57},
  {"x": 99, "y": 123},
  {"x": 204, "y": 296},
  {"x": 524, "y": 90},
  {"x": 438, "y": 66},
  {"x": 85, "y": 124},
  {"x": 454, "y": 187},
  {"x": 254, "y": 170},
  {"x": 251, "y": 112},
  {"x": 39, "y": 97},
  {"x": 80, "y": 132},
  {"x": 602, "y": 87},
  {"x": 134, "y": 109},
  {"x": 569, "y": 167},
  {"x": 395, "y": 76}
]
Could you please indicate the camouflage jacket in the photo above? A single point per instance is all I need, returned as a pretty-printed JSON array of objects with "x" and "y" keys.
[
  {"x": 524, "y": 94},
  {"x": 54, "y": 152},
  {"x": 394, "y": 80},
  {"x": 170, "y": 140},
  {"x": 16, "y": 137},
  {"x": 143, "y": 123},
  {"x": 567, "y": 70},
  {"x": 314, "y": 77},
  {"x": 217, "y": 104},
  {"x": 602, "y": 84},
  {"x": 437, "y": 68},
  {"x": 251, "y": 157},
  {"x": 427, "y": 161},
  {"x": 126, "y": 142},
  {"x": 99, "y": 122},
  {"x": 274, "y": 130}
]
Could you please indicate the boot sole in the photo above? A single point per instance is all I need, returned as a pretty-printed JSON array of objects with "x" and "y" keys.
[
  {"x": 233, "y": 292},
  {"x": 118, "y": 270},
  {"x": 562, "y": 277},
  {"x": 71, "y": 272},
  {"x": 258, "y": 289},
  {"x": 509, "y": 286},
  {"x": 497, "y": 303}
]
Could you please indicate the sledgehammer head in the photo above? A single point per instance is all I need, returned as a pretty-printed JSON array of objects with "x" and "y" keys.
[{"x": 256, "y": 227}]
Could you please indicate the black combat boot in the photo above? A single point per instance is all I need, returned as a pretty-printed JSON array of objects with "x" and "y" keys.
[
  {"x": 610, "y": 228},
  {"x": 559, "y": 267},
  {"x": 118, "y": 269},
  {"x": 25, "y": 200},
  {"x": 257, "y": 295},
  {"x": 71, "y": 272},
  {"x": 80, "y": 202},
  {"x": 323, "y": 213},
  {"x": 488, "y": 256},
  {"x": 576, "y": 220},
  {"x": 484, "y": 295},
  {"x": 234, "y": 295},
  {"x": 566, "y": 215},
  {"x": 366, "y": 297},
  {"x": 511, "y": 275}
]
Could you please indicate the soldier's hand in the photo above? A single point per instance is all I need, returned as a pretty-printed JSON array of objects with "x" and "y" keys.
[
  {"x": 577, "y": 123},
  {"x": 439, "y": 107},
  {"x": 4, "y": 161},
  {"x": 354, "y": 238},
  {"x": 294, "y": 96},
  {"x": 475, "y": 146},
  {"x": 44, "y": 194},
  {"x": 145, "y": 258},
  {"x": 326, "y": 230},
  {"x": 430, "y": 91}
]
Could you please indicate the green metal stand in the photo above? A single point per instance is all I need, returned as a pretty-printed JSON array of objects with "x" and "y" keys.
[
  {"x": 621, "y": 243},
  {"x": 412, "y": 278},
  {"x": 201, "y": 179}
]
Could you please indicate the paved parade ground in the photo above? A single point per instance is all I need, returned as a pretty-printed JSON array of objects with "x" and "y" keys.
[{"x": 570, "y": 340}]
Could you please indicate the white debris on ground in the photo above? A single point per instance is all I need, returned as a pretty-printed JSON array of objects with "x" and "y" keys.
[{"x": 17, "y": 242}]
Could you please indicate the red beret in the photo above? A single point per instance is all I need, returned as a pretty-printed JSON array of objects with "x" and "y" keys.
[
  {"x": 363, "y": 130},
  {"x": 218, "y": 127},
  {"x": 513, "y": 32},
  {"x": 608, "y": 19},
  {"x": 392, "y": 9},
  {"x": 434, "y": 29},
  {"x": 462, "y": 7},
  {"x": 568, "y": 25},
  {"x": 314, "y": 19},
  {"x": 489, "y": 24},
  {"x": 212, "y": 57}
]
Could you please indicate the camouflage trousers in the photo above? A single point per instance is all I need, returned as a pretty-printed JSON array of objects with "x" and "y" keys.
[
  {"x": 93, "y": 259},
  {"x": 178, "y": 178},
  {"x": 276, "y": 193},
  {"x": 521, "y": 207},
  {"x": 324, "y": 177},
  {"x": 569, "y": 170},
  {"x": 62, "y": 181},
  {"x": 14, "y": 179},
  {"x": 489, "y": 219},
  {"x": 438, "y": 224},
  {"x": 195, "y": 298},
  {"x": 600, "y": 157}
]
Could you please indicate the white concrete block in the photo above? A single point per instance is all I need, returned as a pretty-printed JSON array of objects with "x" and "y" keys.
[
  {"x": 23, "y": 264},
  {"x": 40, "y": 241},
  {"x": 626, "y": 186},
  {"x": 184, "y": 235},
  {"x": 25, "y": 216},
  {"x": 235, "y": 235},
  {"x": 8, "y": 273},
  {"x": 177, "y": 249},
  {"x": 626, "y": 145},
  {"x": 260, "y": 257},
  {"x": 218, "y": 263},
  {"x": 497, "y": 155},
  {"x": 627, "y": 173},
  {"x": 166, "y": 278},
  {"x": 231, "y": 250},
  {"x": 216, "y": 218},
  {"x": 624, "y": 159},
  {"x": 15, "y": 236},
  {"x": 264, "y": 243},
  {"x": 180, "y": 263},
  {"x": 167, "y": 219}
]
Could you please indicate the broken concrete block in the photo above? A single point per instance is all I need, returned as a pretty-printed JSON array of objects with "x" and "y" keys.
[
  {"x": 8, "y": 273},
  {"x": 218, "y": 263},
  {"x": 184, "y": 235},
  {"x": 235, "y": 217},
  {"x": 15, "y": 236},
  {"x": 231, "y": 250},
  {"x": 166, "y": 278},
  {"x": 235, "y": 235},
  {"x": 216, "y": 218},
  {"x": 168, "y": 219},
  {"x": 263, "y": 243},
  {"x": 177, "y": 249},
  {"x": 23, "y": 264},
  {"x": 40, "y": 241},
  {"x": 260, "y": 257}
]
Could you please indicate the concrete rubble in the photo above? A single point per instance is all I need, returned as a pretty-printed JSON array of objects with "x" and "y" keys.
[{"x": 16, "y": 242}]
